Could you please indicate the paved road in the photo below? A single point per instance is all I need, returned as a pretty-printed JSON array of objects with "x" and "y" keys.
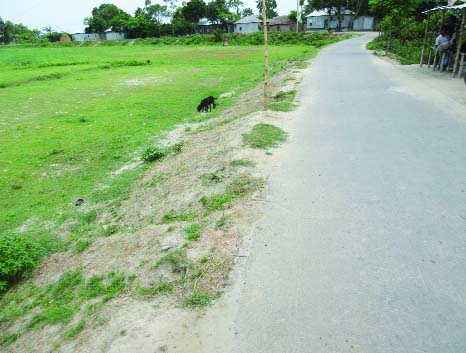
[{"x": 363, "y": 243}]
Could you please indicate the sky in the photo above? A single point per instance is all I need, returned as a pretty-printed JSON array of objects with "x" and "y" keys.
[{"x": 68, "y": 15}]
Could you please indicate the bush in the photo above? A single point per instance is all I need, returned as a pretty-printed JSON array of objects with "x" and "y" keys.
[
  {"x": 153, "y": 154},
  {"x": 18, "y": 256}
]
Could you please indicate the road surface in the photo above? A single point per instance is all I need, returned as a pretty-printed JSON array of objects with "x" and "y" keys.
[{"x": 362, "y": 247}]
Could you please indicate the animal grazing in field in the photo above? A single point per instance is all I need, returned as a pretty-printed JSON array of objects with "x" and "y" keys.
[{"x": 207, "y": 104}]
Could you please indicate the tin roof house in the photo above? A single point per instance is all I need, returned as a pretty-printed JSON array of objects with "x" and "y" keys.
[
  {"x": 248, "y": 24},
  {"x": 282, "y": 24},
  {"x": 323, "y": 20}
]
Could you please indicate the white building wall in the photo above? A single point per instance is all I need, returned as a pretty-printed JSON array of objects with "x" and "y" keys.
[
  {"x": 114, "y": 36},
  {"x": 247, "y": 27}
]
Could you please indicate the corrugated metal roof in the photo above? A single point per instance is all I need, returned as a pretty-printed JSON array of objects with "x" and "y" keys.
[
  {"x": 438, "y": 8},
  {"x": 249, "y": 19},
  {"x": 280, "y": 20},
  {"x": 324, "y": 12}
]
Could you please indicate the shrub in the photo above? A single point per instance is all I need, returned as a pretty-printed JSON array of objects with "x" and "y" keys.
[
  {"x": 153, "y": 154},
  {"x": 18, "y": 256}
]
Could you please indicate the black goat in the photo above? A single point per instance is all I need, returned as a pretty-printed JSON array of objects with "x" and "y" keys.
[{"x": 207, "y": 104}]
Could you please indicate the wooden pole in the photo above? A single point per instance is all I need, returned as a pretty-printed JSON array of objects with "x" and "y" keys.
[
  {"x": 460, "y": 41},
  {"x": 266, "y": 61},
  {"x": 425, "y": 41}
]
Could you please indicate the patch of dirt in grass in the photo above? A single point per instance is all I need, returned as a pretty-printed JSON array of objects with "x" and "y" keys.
[{"x": 150, "y": 242}]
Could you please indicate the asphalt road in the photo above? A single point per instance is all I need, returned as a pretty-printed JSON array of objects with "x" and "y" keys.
[{"x": 362, "y": 247}]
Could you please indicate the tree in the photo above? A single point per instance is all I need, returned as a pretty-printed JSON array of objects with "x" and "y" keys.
[
  {"x": 247, "y": 12},
  {"x": 271, "y": 8},
  {"x": 235, "y": 5},
  {"x": 103, "y": 18},
  {"x": 217, "y": 11},
  {"x": 293, "y": 16},
  {"x": 155, "y": 14},
  {"x": 171, "y": 10},
  {"x": 194, "y": 10}
]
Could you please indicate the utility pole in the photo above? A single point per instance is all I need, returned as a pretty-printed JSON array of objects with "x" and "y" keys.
[
  {"x": 297, "y": 16},
  {"x": 266, "y": 64}
]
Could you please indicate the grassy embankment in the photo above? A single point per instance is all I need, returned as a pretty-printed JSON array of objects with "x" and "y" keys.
[
  {"x": 407, "y": 52},
  {"x": 72, "y": 115}
]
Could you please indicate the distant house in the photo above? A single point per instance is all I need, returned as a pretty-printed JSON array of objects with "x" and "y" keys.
[
  {"x": 281, "y": 24},
  {"x": 321, "y": 20},
  {"x": 109, "y": 35},
  {"x": 364, "y": 23},
  {"x": 248, "y": 24},
  {"x": 82, "y": 37},
  {"x": 204, "y": 26}
]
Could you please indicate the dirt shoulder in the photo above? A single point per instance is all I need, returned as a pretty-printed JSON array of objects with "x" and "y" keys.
[{"x": 167, "y": 250}]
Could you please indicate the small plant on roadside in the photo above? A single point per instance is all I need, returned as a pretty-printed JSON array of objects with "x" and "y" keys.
[
  {"x": 193, "y": 232},
  {"x": 8, "y": 339},
  {"x": 265, "y": 136},
  {"x": 198, "y": 300},
  {"x": 159, "y": 289},
  {"x": 18, "y": 256},
  {"x": 223, "y": 222},
  {"x": 211, "y": 177},
  {"x": 82, "y": 245},
  {"x": 176, "y": 259},
  {"x": 172, "y": 217},
  {"x": 75, "y": 330},
  {"x": 242, "y": 163},
  {"x": 153, "y": 154}
]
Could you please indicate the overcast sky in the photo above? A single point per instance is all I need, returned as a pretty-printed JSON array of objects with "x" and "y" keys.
[{"x": 68, "y": 15}]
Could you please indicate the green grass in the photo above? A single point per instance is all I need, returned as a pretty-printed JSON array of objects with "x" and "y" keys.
[
  {"x": 60, "y": 302},
  {"x": 239, "y": 188},
  {"x": 177, "y": 259},
  {"x": 62, "y": 136},
  {"x": 72, "y": 332},
  {"x": 193, "y": 232},
  {"x": 242, "y": 163},
  {"x": 265, "y": 136},
  {"x": 198, "y": 300}
]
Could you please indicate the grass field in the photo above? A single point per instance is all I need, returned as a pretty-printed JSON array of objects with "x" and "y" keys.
[{"x": 71, "y": 116}]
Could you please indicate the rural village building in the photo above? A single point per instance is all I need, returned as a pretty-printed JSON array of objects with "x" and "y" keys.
[
  {"x": 282, "y": 24},
  {"x": 109, "y": 35},
  {"x": 364, "y": 23},
  {"x": 248, "y": 24},
  {"x": 204, "y": 26},
  {"x": 320, "y": 20}
]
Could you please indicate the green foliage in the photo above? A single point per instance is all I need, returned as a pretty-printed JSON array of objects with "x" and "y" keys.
[
  {"x": 271, "y": 6},
  {"x": 159, "y": 289},
  {"x": 72, "y": 332},
  {"x": 82, "y": 245},
  {"x": 172, "y": 217},
  {"x": 198, "y": 300},
  {"x": 176, "y": 259},
  {"x": 153, "y": 154},
  {"x": 18, "y": 256},
  {"x": 217, "y": 202},
  {"x": 242, "y": 163},
  {"x": 239, "y": 188},
  {"x": 193, "y": 232},
  {"x": 244, "y": 185},
  {"x": 265, "y": 136},
  {"x": 223, "y": 222},
  {"x": 8, "y": 339}
]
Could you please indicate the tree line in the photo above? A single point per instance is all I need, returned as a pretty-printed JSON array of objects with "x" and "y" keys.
[{"x": 168, "y": 18}]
